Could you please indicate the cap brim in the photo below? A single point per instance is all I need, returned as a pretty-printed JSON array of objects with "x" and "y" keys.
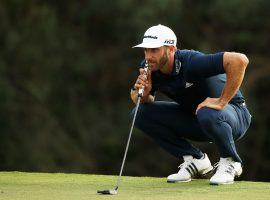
[{"x": 148, "y": 45}]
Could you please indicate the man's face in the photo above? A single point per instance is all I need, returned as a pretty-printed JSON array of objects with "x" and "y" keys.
[{"x": 156, "y": 57}]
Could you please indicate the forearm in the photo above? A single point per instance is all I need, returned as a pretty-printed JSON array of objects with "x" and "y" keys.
[
  {"x": 234, "y": 65},
  {"x": 145, "y": 99}
]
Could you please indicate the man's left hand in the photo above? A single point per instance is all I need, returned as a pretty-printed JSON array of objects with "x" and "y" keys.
[{"x": 214, "y": 103}]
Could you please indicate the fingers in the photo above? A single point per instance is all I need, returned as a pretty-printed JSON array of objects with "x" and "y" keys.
[
  {"x": 141, "y": 83},
  {"x": 198, "y": 108},
  {"x": 143, "y": 73},
  {"x": 213, "y": 103},
  {"x": 144, "y": 81},
  {"x": 149, "y": 74},
  {"x": 203, "y": 104},
  {"x": 141, "y": 70},
  {"x": 142, "y": 78}
]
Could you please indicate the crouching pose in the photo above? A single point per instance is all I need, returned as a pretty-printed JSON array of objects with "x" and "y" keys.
[{"x": 206, "y": 104}]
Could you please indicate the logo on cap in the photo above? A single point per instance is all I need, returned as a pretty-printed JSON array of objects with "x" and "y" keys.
[
  {"x": 150, "y": 36},
  {"x": 169, "y": 42},
  {"x": 157, "y": 36}
]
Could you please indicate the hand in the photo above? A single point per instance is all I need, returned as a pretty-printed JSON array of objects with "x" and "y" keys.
[
  {"x": 144, "y": 81},
  {"x": 214, "y": 103}
]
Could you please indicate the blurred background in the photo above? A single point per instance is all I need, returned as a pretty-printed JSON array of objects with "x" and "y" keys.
[{"x": 66, "y": 69}]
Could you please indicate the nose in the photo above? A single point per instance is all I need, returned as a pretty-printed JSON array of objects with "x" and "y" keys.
[{"x": 147, "y": 54}]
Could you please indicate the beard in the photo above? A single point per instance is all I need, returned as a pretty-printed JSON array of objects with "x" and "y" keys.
[
  {"x": 160, "y": 63},
  {"x": 163, "y": 60}
]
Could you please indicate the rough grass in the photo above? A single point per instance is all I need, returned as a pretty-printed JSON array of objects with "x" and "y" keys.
[{"x": 18, "y": 185}]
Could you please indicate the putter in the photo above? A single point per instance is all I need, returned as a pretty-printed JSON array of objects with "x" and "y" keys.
[{"x": 140, "y": 94}]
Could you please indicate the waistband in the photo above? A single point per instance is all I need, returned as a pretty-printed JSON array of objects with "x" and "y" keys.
[{"x": 243, "y": 103}]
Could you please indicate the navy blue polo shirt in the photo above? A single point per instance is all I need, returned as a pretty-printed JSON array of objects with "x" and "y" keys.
[{"x": 195, "y": 76}]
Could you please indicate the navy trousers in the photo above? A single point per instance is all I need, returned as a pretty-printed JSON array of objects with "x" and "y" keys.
[{"x": 170, "y": 126}]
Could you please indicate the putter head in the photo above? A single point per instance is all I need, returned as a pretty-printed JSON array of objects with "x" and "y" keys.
[{"x": 111, "y": 192}]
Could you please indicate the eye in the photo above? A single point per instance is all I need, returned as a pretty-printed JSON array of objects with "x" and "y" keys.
[{"x": 155, "y": 50}]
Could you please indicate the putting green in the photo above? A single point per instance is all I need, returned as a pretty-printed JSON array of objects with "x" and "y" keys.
[{"x": 58, "y": 186}]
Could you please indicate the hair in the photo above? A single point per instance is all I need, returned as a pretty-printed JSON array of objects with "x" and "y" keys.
[{"x": 167, "y": 46}]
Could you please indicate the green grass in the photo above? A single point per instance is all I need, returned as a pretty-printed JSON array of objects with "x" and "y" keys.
[{"x": 18, "y": 185}]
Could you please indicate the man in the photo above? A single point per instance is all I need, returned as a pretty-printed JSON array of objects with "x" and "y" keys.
[{"x": 207, "y": 104}]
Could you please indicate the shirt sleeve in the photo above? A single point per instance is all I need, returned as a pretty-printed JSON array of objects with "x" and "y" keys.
[{"x": 204, "y": 65}]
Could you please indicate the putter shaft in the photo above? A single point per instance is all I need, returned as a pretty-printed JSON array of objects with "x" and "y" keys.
[
  {"x": 130, "y": 133},
  {"x": 140, "y": 94}
]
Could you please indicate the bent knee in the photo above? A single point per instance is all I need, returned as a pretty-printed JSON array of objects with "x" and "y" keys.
[
  {"x": 144, "y": 114},
  {"x": 207, "y": 116}
]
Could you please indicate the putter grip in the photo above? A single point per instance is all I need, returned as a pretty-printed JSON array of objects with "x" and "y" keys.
[{"x": 141, "y": 90}]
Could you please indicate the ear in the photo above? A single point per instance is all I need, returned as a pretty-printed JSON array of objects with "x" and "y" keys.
[{"x": 172, "y": 48}]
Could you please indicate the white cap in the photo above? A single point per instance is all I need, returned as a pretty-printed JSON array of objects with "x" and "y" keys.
[{"x": 157, "y": 36}]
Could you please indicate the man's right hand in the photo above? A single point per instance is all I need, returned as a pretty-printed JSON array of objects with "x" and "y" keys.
[{"x": 145, "y": 81}]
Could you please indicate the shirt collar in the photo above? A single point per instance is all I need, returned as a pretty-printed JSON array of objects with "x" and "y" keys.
[{"x": 176, "y": 67}]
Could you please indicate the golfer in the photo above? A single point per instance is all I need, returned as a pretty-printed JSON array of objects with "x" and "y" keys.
[{"x": 206, "y": 104}]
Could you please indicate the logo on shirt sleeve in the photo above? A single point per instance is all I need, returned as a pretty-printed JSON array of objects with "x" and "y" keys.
[
  {"x": 188, "y": 85},
  {"x": 177, "y": 66}
]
